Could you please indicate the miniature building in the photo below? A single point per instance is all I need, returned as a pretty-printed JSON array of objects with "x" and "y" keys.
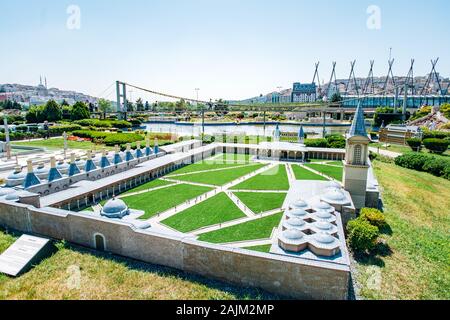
[
  {"x": 115, "y": 208},
  {"x": 399, "y": 134}
]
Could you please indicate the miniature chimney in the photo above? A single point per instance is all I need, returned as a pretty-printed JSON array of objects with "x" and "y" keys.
[{"x": 31, "y": 179}]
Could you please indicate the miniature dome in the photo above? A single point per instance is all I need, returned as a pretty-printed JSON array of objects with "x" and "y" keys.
[
  {"x": 324, "y": 238},
  {"x": 322, "y": 214},
  {"x": 16, "y": 178},
  {"x": 322, "y": 206},
  {"x": 115, "y": 208},
  {"x": 63, "y": 167},
  {"x": 334, "y": 185},
  {"x": 14, "y": 196},
  {"x": 297, "y": 213},
  {"x": 41, "y": 172},
  {"x": 299, "y": 204},
  {"x": 80, "y": 163},
  {"x": 293, "y": 234},
  {"x": 6, "y": 191},
  {"x": 295, "y": 222},
  {"x": 322, "y": 225},
  {"x": 334, "y": 195}
]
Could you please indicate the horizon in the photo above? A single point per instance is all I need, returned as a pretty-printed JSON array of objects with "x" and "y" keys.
[{"x": 229, "y": 51}]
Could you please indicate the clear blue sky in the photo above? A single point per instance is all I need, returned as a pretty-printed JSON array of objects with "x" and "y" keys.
[{"x": 228, "y": 48}]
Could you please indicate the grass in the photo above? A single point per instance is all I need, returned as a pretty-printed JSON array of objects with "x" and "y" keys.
[
  {"x": 158, "y": 201},
  {"x": 150, "y": 185},
  {"x": 415, "y": 262},
  {"x": 252, "y": 230},
  {"x": 400, "y": 148},
  {"x": 273, "y": 179},
  {"x": 58, "y": 144},
  {"x": 108, "y": 277},
  {"x": 205, "y": 165},
  {"x": 304, "y": 174},
  {"x": 219, "y": 178},
  {"x": 333, "y": 172},
  {"x": 261, "y": 202},
  {"x": 218, "y": 209},
  {"x": 264, "y": 248}
]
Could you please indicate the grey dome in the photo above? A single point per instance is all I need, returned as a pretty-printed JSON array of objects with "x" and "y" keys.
[
  {"x": 334, "y": 195},
  {"x": 299, "y": 204},
  {"x": 80, "y": 163},
  {"x": 16, "y": 175},
  {"x": 322, "y": 225},
  {"x": 321, "y": 214},
  {"x": 42, "y": 172},
  {"x": 14, "y": 196},
  {"x": 296, "y": 222},
  {"x": 297, "y": 212},
  {"x": 322, "y": 206},
  {"x": 115, "y": 208},
  {"x": 63, "y": 167},
  {"x": 293, "y": 234},
  {"x": 324, "y": 238}
]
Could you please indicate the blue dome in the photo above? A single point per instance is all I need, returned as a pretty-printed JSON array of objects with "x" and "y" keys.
[
  {"x": 296, "y": 222},
  {"x": 293, "y": 234},
  {"x": 324, "y": 238},
  {"x": 14, "y": 196},
  {"x": 323, "y": 215},
  {"x": 299, "y": 204},
  {"x": 17, "y": 175},
  {"x": 6, "y": 191},
  {"x": 41, "y": 172},
  {"x": 322, "y": 225},
  {"x": 297, "y": 212},
  {"x": 63, "y": 167}
]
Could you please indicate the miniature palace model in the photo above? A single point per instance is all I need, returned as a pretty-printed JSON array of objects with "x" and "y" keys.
[{"x": 308, "y": 257}]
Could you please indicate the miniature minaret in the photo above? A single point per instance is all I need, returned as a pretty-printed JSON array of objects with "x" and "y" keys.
[
  {"x": 356, "y": 165},
  {"x": 90, "y": 165},
  {"x": 73, "y": 168},
  {"x": 54, "y": 173},
  {"x": 117, "y": 157},
  {"x": 156, "y": 146},
  {"x": 31, "y": 179},
  {"x": 301, "y": 135},
  {"x": 104, "y": 162},
  {"x": 139, "y": 153},
  {"x": 128, "y": 154},
  {"x": 148, "y": 150},
  {"x": 277, "y": 134}
]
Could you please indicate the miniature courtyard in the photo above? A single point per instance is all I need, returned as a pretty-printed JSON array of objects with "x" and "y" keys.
[{"x": 230, "y": 199}]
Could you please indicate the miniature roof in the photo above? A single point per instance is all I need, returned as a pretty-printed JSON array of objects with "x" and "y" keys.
[
  {"x": 358, "y": 127},
  {"x": 114, "y": 206}
]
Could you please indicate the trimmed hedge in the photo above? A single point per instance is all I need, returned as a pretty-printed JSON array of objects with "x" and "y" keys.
[
  {"x": 435, "y": 145},
  {"x": 91, "y": 134},
  {"x": 425, "y": 162},
  {"x": 362, "y": 236},
  {"x": 96, "y": 123},
  {"x": 59, "y": 130},
  {"x": 122, "y": 138},
  {"x": 316, "y": 143},
  {"x": 415, "y": 144},
  {"x": 374, "y": 216}
]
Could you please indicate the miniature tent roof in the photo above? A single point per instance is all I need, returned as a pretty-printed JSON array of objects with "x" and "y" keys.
[
  {"x": 277, "y": 133},
  {"x": 301, "y": 133},
  {"x": 358, "y": 127}
]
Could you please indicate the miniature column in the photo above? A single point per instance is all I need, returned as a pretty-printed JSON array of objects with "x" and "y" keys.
[{"x": 156, "y": 147}]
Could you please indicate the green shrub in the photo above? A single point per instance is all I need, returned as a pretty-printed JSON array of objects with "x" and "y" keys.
[
  {"x": 415, "y": 144},
  {"x": 122, "y": 138},
  {"x": 362, "y": 236},
  {"x": 427, "y": 134},
  {"x": 435, "y": 166},
  {"x": 59, "y": 130},
  {"x": 91, "y": 134},
  {"x": 374, "y": 216},
  {"x": 414, "y": 161},
  {"x": 94, "y": 123},
  {"x": 336, "y": 141},
  {"x": 121, "y": 124},
  {"x": 438, "y": 146},
  {"x": 316, "y": 143}
]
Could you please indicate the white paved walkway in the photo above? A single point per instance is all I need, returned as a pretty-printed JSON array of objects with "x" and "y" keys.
[{"x": 386, "y": 153}]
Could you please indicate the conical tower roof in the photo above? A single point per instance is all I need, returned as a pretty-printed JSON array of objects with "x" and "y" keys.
[{"x": 358, "y": 127}]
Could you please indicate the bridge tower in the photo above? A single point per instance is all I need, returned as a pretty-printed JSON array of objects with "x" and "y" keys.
[{"x": 122, "y": 103}]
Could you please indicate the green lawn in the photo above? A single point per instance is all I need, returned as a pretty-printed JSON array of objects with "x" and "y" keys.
[
  {"x": 400, "y": 148},
  {"x": 261, "y": 202},
  {"x": 336, "y": 163},
  {"x": 333, "y": 172},
  {"x": 218, "y": 209},
  {"x": 205, "y": 165},
  {"x": 273, "y": 179},
  {"x": 158, "y": 201},
  {"x": 150, "y": 185},
  {"x": 58, "y": 144},
  {"x": 414, "y": 263},
  {"x": 109, "y": 277},
  {"x": 264, "y": 248},
  {"x": 305, "y": 174},
  {"x": 252, "y": 230},
  {"x": 219, "y": 178},
  {"x": 234, "y": 157}
]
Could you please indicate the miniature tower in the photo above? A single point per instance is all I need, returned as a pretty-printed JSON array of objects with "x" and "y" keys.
[
  {"x": 139, "y": 153},
  {"x": 156, "y": 146},
  {"x": 277, "y": 134},
  {"x": 356, "y": 160},
  {"x": 73, "y": 168},
  {"x": 90, "y": 165},
  {"x": 148, "y": 150},
  {"x": 117, "y": 157},
  {"x": 104, "y": 162},
  {"x": 128, "y": 154},
  {"x": 53, "y": 174},
  {"x": 31, "y": 179},
  {"x": 301, "y": 135}
]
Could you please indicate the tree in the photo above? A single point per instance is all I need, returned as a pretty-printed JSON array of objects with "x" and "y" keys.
[
  {"x": 147, "y": 106},
  {"x": 139, "y": 105},
  {"x": 80, "y": 111},
  {"x": 35, "y": 114},
  {"x": 64, "y": 103},
  {"x": 180, "y": 106},
  {"x": 52, "y": 111},
  {"x": 104, "y": 106},
  {"x": 336, "y": 97}
]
